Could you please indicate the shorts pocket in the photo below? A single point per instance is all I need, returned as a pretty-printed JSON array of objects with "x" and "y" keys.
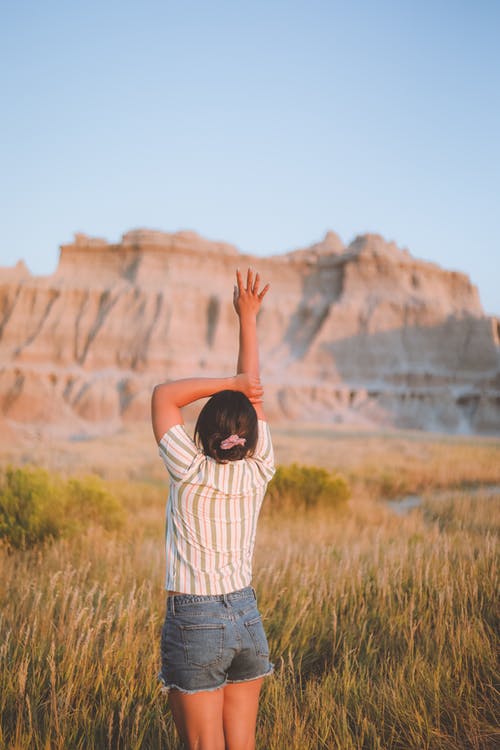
[
  {"x": 258, "y": 636},
  {"x": 203, "y": 644}
]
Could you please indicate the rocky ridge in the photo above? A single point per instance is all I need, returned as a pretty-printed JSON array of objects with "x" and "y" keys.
[{"x": 363, "y": 334}]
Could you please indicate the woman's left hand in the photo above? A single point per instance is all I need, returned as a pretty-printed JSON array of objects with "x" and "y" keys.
[{"x": 251, "y": 386}]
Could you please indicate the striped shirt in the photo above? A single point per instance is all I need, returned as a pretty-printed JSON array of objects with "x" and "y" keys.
[{"x": 211, "y": 514}]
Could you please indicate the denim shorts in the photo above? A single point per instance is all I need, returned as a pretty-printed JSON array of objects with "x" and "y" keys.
[{"x": 210, "y": 641}]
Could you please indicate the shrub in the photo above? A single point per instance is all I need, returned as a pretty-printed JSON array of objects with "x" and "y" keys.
[
  {"x": 31, "y": 507},
  {"x": 88, "y": 500},
  {"x": 306, "y": 487},
  {"x": 35, "y": 506}
]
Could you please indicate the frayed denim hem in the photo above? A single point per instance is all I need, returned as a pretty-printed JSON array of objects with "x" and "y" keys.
[
  {"x": 165, "y": 689},
  {"x": 249, "y": 679}
]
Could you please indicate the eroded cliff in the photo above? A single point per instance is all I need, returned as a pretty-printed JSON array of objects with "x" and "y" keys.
[{"x": 364, "y": 333}]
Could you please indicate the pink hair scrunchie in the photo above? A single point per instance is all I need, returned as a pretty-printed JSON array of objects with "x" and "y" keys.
[{"x": 231, "y": 441}]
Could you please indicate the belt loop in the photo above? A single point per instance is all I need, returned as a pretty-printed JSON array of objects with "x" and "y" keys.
[
  {"x": 172, "y": 599},
  {"x": 254, "y": 593},
  {"x": 224, "y": 599}
]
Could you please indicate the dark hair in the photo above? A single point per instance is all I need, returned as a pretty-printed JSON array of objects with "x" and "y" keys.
[{"x": 227, "y": 413}]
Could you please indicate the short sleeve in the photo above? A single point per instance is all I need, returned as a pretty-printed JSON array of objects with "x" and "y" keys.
[
  {"x": 178, "y": 452},
  {"x": 264, "y": 454}
]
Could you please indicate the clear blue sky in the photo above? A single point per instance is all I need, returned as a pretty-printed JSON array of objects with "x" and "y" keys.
[{"x": 261, "y": 123}]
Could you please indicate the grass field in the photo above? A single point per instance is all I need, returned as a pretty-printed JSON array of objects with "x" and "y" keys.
[{"x": 383, "y": 629}]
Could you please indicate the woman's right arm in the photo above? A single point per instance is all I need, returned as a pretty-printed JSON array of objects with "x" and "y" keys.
[{"x": 247, "y": 301}]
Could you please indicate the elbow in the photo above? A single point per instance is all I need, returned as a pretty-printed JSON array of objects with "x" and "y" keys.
[
  {"x": 157, "y": 396},
  {"x": 160, "y": 390},
  {"x": 163, "y": 394},
  {"x": 154, "y": 394}
]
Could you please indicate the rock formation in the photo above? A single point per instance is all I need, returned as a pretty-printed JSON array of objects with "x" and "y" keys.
[{"x": 362, "y": 334}]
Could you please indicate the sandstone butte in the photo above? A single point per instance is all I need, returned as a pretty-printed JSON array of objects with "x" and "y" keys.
[{"x": 364, "y": 334}]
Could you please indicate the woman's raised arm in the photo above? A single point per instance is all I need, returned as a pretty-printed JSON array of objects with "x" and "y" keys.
[{"x": 247, "y": 301}]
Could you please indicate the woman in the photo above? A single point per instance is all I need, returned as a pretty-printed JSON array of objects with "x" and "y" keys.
[{"x": 214, "y": 649}]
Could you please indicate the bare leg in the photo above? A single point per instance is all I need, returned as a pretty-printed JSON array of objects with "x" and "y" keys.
[
  {"x": 198, "y": 718},
  {"x": 241, "y": 701}
]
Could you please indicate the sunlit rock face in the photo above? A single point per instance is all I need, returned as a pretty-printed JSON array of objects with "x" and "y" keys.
[{"x": 364, "y": 334}]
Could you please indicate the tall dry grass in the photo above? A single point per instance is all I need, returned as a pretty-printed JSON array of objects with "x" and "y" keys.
[
  {"x": 393, "y": 460},
  {"x": 383, "y": 630}
]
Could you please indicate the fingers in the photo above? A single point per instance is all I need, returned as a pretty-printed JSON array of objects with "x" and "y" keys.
[
  {"x": 251, "y": 386},
  {"x": 255, "y": 384},
  {"x": 252, "y": 285},
  {"x": 264, "y": 292},
  {"x": 239, "y": 281},
  {"x": 256, "y": 395},
  {"x": 256, "y": 400},
  {"x": 256, "y": 283}
]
